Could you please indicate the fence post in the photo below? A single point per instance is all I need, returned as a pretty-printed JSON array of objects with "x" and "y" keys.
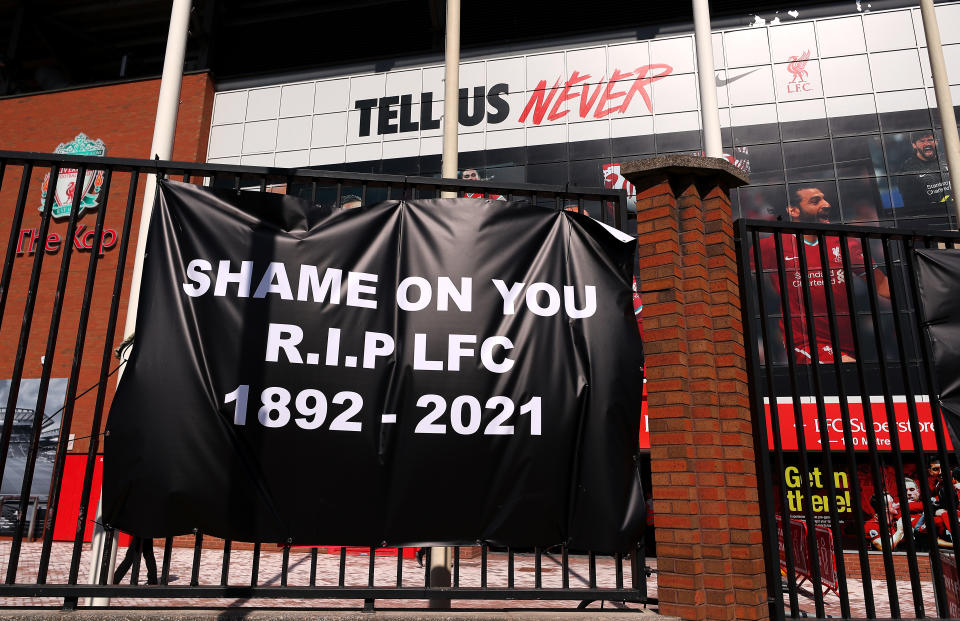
[{"x": 709, "y": 544}]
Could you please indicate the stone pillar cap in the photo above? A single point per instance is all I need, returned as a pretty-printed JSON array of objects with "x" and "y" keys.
[{"x": 637, "y": 170}]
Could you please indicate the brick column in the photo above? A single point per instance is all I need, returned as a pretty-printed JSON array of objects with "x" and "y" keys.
[{"x": 709, "y": 542}]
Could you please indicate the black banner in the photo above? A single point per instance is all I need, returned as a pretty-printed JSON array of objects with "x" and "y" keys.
[
  {"x": 435, "y": 371},
  {"x": 938, "y": 278}
]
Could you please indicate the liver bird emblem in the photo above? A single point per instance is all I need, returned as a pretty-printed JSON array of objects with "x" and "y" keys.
[{"x": 796, "y": 66}]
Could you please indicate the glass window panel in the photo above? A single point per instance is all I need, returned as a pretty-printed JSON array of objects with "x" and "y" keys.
[
  {"x": 810, "y": 160},
  {"x": 547, "y": 153},
  {"x": 766, "y": 163},
  {"x": 678, "y": 141},
  {"x": 796, "y": 130},
  {"x": 854, "y": 124},
  {"x": 763, "y": 202},
  {"x": 859, "y": 156},
  {"x": 864, "y": 201},
  {"x": 553, "y": 174},
  {"x": 764, "y": 132},
  {"x": 506, "y": 157},
  {"x": 590, "y": 148},
  {"x": 632, "y": 145},
  {"x": 587, "y": 173},
  {"x": 905, "y": 120}
]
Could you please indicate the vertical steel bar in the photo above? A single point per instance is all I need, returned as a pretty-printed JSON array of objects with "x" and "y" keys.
[
  {"x": 456, "y": 566},
  {"x": 788, "y": 339},
  {"x": 592, "y": 559},
  {"x": 66, "y": 419},
  {"x": 104, "y": 374},
  {"x": 894, "y": 437},
  {"x": 765, "y": 479},
  {"x": 537, "y": 568},
  {"x": 225, "y": 564},
  {"x": 343, "y": 565},
  {"x": 371, "y": 565},
  {"x": 483, "y": 566},
  {"x": 399, "y": 567},
  {"x": 26, "y": 323},
  {"x": 566, "y": 567},
  {"x": 255, "y": 565},
  {"x": 618, "y": 560},
  {"x": 932, "y": 390},
  {"x": 876, "y": 468},
  {"x": 105, "y": 558},
  {"x": 285, "y": 564},
  {"x": 167, "y": 558},
  {"x": 509, "y": 568},
  {"x": 901, "y": 333},
  {"x": 195, "y": 566},
  {"x": 15, "y": 238},
  {"x": 46, "y": 369},
  {"x": 313, "y": 566},
  {"x": 825, "y": 449}
]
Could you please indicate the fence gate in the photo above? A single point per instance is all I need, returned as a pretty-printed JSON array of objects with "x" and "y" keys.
[
  {"x": 70, "y": 225},
  {"x": 854, "y": 460}
]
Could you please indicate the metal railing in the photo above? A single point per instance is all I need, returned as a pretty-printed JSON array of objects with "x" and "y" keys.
[
  {"x": 69, "y": 314},
  {"x": 838, "y": 358}
]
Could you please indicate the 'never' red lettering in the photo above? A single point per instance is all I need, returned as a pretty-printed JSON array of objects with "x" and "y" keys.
[{"x": 539, "y": 102}]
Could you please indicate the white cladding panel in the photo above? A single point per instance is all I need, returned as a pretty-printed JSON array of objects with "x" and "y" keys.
[{"x": 791, "y": 71}]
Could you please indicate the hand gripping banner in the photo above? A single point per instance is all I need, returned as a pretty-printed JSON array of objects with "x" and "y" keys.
[{"x": 432, "y": 371}]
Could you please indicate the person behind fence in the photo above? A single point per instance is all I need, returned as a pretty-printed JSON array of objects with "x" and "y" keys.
[
  {"x": 918, "y": 519},
  {"x": 808, "y": 204},
  {"x": 138, "y": 546},
  {"x": 872, "y": 529},
  {"x": 350, "y": 201}
]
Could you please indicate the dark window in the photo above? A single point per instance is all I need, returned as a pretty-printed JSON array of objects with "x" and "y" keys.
[
  {"x": 808, "y": 161},
  {"x": 763, "y": 202},
  {"x": 547, "y": 153},
  {"x": 553, "y": 174},
  {"x": 795, "y": 130},
  {"x": 590, "y": 148},
  {"x": 905, "y": 120},
  {"x": 864, "y": 201},
  {"x": 855, "y": 124},
  {"x": 859, "y": 156},
  {"x": 766, "y": 163},
  {"x": 765, "y": 132},
  {"x": 678, "y": 141},
  {"x": 587, "y": 173},
  {"x": 634, "y": 145}
]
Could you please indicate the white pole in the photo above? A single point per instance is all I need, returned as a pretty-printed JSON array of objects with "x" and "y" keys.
[
  {"x": 941, "y": 88},
  {"x": 709, "y": 114},
  {"x": 440, "y": 558},
  {"x": 164, "y": 130},
  {"x": 451, "y": 95}
]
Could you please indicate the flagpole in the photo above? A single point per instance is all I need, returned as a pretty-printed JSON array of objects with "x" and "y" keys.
[
  {"x": 164, "y": 130},
  {"x": 709, "y": 112},
  {"x": 440, "y": 557}
]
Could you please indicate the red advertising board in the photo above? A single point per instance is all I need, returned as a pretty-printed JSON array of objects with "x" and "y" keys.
[
  {"x": 68, "y": 508},
  {"x": 952, "y": 582},
  {"x": 856, "y": 424},
  {"x": 801, "y": 557}
]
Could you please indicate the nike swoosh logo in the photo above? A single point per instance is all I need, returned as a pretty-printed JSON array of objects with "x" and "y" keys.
[{"x": 721, "y": 82}]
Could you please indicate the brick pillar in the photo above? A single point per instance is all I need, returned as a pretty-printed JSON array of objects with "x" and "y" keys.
[{"x": 709, "y": 542}]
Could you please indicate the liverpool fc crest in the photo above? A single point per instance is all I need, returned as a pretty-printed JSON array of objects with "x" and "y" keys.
[{"x": 68, "y": 184}]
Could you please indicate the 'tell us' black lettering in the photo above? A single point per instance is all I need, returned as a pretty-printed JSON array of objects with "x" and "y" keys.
[{"x": 395, "y": 114}]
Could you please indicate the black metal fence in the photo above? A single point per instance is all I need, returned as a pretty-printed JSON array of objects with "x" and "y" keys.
[
  {"x": 854, "y": 463},
  {"x": 63, "y": 289}
]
